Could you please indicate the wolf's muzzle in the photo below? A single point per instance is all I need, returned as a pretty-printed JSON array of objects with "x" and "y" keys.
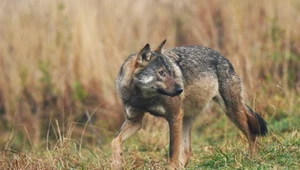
[{"x": 175, "y": 92}]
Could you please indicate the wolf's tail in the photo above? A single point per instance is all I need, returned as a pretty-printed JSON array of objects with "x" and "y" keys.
[{"x": 256, "y": 123}]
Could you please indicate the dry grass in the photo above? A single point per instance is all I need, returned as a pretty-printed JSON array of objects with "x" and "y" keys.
[{"x": 59, "y": 60}]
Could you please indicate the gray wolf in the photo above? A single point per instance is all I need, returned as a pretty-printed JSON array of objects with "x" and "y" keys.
[{"x": 176, "y": 84}]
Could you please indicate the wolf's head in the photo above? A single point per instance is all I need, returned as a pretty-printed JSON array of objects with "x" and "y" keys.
[{"x": 155, "y": 73}]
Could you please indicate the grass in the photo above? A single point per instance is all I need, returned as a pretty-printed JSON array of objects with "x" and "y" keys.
[
  {"x": 225, "y": 148},
  {"x": 59, "y": 60}
]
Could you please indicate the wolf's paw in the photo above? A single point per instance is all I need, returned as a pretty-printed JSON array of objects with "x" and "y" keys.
[
  {"x": 175, "y": 166},
  {"x": 116, "y": 161}
]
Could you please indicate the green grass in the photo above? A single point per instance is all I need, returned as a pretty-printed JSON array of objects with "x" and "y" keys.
[{"x": 217, "y": 144}]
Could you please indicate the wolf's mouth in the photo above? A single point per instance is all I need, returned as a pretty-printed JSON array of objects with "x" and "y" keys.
[{"x": 176, "y": 92}]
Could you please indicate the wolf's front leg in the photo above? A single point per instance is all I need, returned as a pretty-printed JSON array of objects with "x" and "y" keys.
[
  {"x": 186, "y": 148},
  {"x": 175, "y": 125},
  {"x": 129, "y": 127}
]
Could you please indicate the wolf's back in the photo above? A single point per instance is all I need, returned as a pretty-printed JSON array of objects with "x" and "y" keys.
[{"x": 196, "y": 62}]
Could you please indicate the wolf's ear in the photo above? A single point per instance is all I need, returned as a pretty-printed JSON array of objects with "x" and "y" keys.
[
  {"x": 144, "y": 56},
  {"x": 159, "y": 48}
]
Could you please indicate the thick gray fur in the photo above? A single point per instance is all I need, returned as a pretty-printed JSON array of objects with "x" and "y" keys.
[{"x": 182, "y": 78}]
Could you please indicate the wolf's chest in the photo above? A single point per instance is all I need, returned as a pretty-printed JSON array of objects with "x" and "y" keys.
[{"x": 157, "y": 110}]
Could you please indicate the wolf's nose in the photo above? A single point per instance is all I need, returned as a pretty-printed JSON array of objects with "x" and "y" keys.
[{"x": 179, "y": 90}]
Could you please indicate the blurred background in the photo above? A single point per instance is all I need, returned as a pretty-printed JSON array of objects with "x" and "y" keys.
[{"x": 59, "y": 61}]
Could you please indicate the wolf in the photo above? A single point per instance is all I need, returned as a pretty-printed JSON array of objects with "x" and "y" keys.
[{"x": 177, "y": 84}]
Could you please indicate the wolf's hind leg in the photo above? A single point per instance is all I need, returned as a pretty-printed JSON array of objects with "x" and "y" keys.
[
  {"x": 129, "y": 127},
  {"x": 230, "y": 89}
]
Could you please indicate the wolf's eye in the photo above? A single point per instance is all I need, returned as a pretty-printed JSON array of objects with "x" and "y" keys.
[{"x": 162, "y": 73}]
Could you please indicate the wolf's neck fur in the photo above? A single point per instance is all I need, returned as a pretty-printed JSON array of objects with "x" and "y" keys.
[{"x": 131, "y": 93}]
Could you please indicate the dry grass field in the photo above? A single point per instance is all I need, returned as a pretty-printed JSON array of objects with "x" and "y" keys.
[{"x": 59, "y": 60}]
